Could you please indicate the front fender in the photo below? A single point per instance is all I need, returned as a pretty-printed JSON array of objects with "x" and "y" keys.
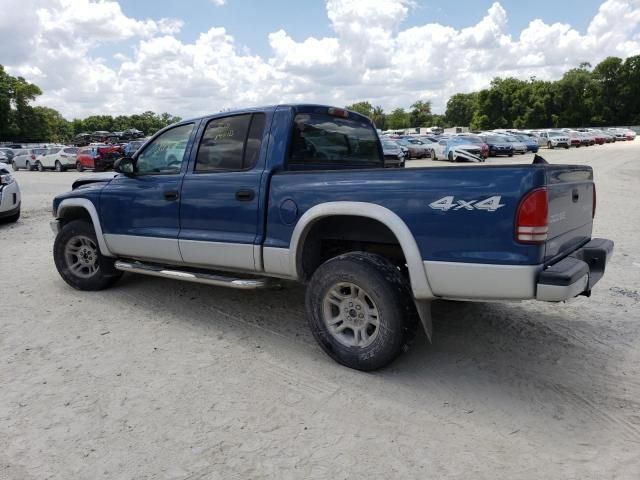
[{"x": 87, "y": 205}]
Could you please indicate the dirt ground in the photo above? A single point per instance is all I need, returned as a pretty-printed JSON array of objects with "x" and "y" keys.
[{"x": 156, "y": 379}]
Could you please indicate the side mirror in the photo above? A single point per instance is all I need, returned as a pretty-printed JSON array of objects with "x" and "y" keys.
[{"x": 125, "y": 165}]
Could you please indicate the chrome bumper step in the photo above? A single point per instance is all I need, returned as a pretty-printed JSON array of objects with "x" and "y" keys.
[{"x": 195, "y": 277}]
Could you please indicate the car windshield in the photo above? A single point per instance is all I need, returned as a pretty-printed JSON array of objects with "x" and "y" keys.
[
  {"x": 470, "y": 139},
  {"x": 556, "y": 134},
  {"x": 389, "y": 145},
  {"x": 497, "y": 139}
]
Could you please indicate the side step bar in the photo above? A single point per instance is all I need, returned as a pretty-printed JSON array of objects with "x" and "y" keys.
[{"x": 195, "y": 277}]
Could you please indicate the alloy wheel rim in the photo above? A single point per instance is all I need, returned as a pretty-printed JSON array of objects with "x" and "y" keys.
[
  {"x": 81, "y": 256},
  {"x": 350, "y": 315}
]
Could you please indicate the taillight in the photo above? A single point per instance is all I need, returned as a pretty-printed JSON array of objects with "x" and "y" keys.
[
  {"x": 33, "y": 157},
  {"x": 532, "y": 219},
  {"x": 593, "y": 207}
]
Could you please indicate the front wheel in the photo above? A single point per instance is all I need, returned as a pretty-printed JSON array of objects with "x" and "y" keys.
[
  {"x": 79, "y": 166},
  {"x": 451, "y": 158},
  {"x": 15, "y": 167},
  {"x": 550, "y": 145},
  {"x": 433, "y": 155},
  {"x": 39, "y": 166},
  {"x": 360, "y": 310},
  {"x": 59, "y": 167},
  {"x": 78, "y": 258},
  {"x": 28, "y": 166}
]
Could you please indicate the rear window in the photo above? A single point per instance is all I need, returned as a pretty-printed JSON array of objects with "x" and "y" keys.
[{"x": 324, "y": 141}]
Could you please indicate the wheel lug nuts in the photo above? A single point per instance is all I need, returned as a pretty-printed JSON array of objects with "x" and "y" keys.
[{"x": 361, "y": 316}]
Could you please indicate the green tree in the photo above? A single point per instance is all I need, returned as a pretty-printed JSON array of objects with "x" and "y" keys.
[
  {"x": 364, "y": 108},
  {"x": 460, "y": 108},
  {"x": 398, "y": 119},
  {"x": 379, "y": 117},
  {"x": 420, "y": 115}
]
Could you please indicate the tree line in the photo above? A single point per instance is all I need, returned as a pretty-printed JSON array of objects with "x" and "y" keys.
[
  {"x": 605, "y": 95},
  {"x": 22, "y": 122}
]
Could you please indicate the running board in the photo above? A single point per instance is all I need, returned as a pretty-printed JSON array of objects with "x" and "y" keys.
[{"x": 195, "y": 277}]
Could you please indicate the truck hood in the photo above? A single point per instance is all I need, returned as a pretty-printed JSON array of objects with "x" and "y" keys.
[{"x": 96, "y": 178}]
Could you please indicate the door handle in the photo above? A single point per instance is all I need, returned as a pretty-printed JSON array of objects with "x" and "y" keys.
[
  {"x": 575, "y": 196},
  {"x": 245, "y": 195},
  {"x": 170, "y": 194}
]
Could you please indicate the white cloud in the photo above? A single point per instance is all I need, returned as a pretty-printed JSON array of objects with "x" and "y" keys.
[
  {"x": 219, "y": 3},
  {"x": 368, "y": 57}
]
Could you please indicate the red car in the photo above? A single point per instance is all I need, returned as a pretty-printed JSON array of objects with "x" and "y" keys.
[{"x": 97, "y": 157}]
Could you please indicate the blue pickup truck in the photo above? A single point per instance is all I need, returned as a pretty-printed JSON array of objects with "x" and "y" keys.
[{"x": 298, "y": 192}]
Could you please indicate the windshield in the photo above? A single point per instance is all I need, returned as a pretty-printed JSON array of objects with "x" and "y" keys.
[
  {"x": 471, "y": 139},
  {"x": 497, "y": 139},
  {"x": 556, "y": 134}
]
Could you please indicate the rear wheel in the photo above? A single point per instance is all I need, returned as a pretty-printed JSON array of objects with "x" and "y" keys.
[
  {"x": 39, "y": 166},
  {"x": 450, "y": 157},
  {"x": 14, "y": 165},
  {"x": 360, "y": 310},
  {"x": 28, "y": 166},
  {"x": 12, "y": 219},
  {"x": 59, "y": 167},
  {"x": 78, "y": 258},
  {"x": 433, "y": 155},
  {"x": 79, "y": 166}
]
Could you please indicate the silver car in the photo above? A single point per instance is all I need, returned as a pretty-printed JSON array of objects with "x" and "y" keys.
[
  {"x": 27, "y": 158},
  {"x": 518, "y": 146}
]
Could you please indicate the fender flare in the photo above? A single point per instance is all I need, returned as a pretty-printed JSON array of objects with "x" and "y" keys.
[
  {"x": 417, "y": 274},
  {"x": 95, "y": 219}
]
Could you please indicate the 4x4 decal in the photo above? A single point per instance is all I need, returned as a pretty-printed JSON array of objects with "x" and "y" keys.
[{"x": 447, "y": 203}]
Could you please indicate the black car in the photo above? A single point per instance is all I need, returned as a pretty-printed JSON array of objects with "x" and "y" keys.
[
  {"x": 498, "y": 145},
  {"x": 393, "y": 155}
]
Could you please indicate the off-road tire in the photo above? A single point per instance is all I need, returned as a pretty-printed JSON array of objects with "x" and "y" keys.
[
  {"x": 386, "y": 287},
  {"x": 106, "y": 274}
]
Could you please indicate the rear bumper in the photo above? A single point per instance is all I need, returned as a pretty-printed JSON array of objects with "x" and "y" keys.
[{"x": 575, "y": 274}]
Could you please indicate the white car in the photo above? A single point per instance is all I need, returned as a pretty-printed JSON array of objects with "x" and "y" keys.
[
  {"x": 553, "y": 139},
  {"x": 58, "y": 158},
  {"x": 9, "y": 195}
]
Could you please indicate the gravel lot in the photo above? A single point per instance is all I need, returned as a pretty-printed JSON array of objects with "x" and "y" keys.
[{"x": 156, "y": 379}]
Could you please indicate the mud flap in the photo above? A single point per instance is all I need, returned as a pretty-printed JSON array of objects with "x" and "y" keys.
[{"x": 424, "y": 310}]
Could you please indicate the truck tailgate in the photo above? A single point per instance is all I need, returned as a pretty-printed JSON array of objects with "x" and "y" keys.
[{"x": 571, "y": 201}]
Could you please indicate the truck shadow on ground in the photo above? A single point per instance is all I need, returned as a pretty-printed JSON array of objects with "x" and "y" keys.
[
  {"x": 550, "y": 362},
  {"x": 496, "y": 339}
]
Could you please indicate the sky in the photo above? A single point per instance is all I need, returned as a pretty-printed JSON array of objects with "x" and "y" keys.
[{"x": 195, "y": 57}]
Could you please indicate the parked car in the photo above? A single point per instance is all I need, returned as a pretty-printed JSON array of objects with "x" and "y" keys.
[
  {"x": 462, "y": 149},
  {"x": 475, "y": 139},
  {"x": 58, "y": 159},
  {"x": 416, "y": 148},
  {"x": 552, "y": 139},
  {"x": 97, "y": 157},
  {"x": 3, "y": 158},
  {"x": 618, "y": 133},
  {"x": 593, "y": 136},
  {"x": 393, "y": 155},
  {"x": 530, "y": 142},
  {"x": 8, "y": 154},
  {"x": 374, "y": 246},
  {"x": 498, "y": 145},
  {"x": 9, "y": 195},
  {"x": 132, "y": 147},
  {"x": 27, "y": 158},
  {"x": 518, "y": 146}
]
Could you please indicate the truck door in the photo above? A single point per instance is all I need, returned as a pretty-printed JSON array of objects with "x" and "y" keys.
[
  {"x": 140, "y": 213},
  {"x": 220, "y": 194}
]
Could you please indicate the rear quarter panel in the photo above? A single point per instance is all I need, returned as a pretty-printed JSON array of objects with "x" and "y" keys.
[{"x": 456, "y": 235}]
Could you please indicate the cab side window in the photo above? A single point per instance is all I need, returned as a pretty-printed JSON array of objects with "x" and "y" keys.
[
  {"x": 231, "y": 143},
  {"x": 165, "y": 154}
]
